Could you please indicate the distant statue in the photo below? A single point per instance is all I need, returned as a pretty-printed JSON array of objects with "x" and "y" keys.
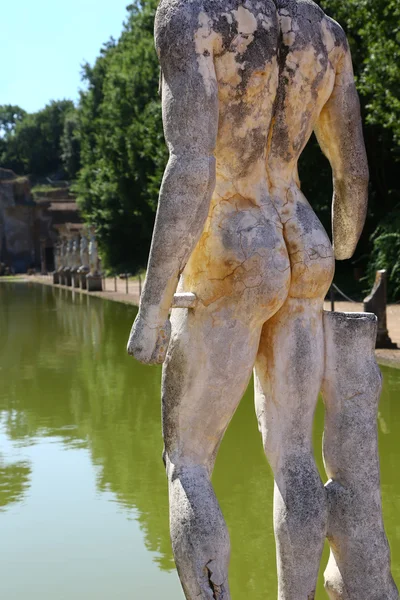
[
  {"x": 57, "y": 257},
  {"x": 93, "y": 254},
  {"x": 57, "y": 251},
  {"x": 64, "y": 251},
  {"x": 69, "y": 252},
  {"x": 244, "y": 85},
  {"x": 84, "y": 253},
  {"x": 75, "y": 263}
]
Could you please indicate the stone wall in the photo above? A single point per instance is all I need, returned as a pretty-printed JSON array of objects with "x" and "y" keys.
[{"x": 26, "y": 222}]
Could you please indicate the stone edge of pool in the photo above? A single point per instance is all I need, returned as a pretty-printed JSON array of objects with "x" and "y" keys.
[{"x": 387, "y": 358}]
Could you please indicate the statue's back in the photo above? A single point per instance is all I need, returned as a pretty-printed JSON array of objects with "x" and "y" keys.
[{"x": 274, "y": 63}]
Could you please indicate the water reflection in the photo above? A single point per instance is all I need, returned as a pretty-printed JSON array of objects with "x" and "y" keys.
[
  {"x": 65, "y": 375},
  {"x": 14, "y": 481}
]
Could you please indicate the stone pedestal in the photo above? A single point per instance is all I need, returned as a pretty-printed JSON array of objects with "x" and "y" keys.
[
  {"x": 82, "y": 278},
  {"x": 75, "y": 279},
  {"x": 94, "y": 283},
  {"x": 56, "y": 277},
  {"x": 66, "y": 277},
  {"x": 376, "y": 303},
  {"x": 359, "y": 565}
]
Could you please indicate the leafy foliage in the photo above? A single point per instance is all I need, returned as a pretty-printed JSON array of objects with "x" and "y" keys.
[
  {"x": 123, "y": 152},
  {"x": 71, "y": 144},
  {"x": 33, "y": 143},
  {"x": 374, "y": 33},
  {"x": 373, "y": 30},
  {"x": 113, "y": 141},
  {"x": 10, "y": 115},
  {"x": 386, "y": 253}
]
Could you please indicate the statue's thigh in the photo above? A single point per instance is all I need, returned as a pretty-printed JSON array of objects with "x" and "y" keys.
[
  {"x": 288, "y": 375},
  {"x": 205, "y": 374}
]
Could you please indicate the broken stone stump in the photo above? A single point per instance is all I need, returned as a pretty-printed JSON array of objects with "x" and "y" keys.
[
  {"x": 376, "y": 303},
  {"x": 359, "y": 566},
  {"x": 94, "y": 283}
]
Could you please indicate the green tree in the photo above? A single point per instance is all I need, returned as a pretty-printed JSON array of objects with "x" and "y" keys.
[
  {"x": 71, "y": 144},
  {"x": 123, "y": 152},
  {"x": 122, "y": 147},
  {"x": 373, "y": 30},
  {"x": 10, "y": 115},
  {"x": 34, "y": 146}
]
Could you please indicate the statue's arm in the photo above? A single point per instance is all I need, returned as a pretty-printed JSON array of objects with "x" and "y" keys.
[
  {"x": 190, "y": 117},
  {"x": 339, "y": 133}
]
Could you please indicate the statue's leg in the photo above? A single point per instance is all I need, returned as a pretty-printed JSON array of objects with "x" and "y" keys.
[
  {"x": 207, "y": 370},
  {"x": 289, "y": 370},
  {"x": 359, "y": 565}
]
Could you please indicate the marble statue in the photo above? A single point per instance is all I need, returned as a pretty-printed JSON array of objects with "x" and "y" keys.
[
  {"x": 94, "y": 281},
  {"x": 376, "y": 303},
  {"x": 57, "y": 261},
  {"x": 244, "y": 263},
  {"x": 65, "y": 277},
  {"x": 93, "y": 254},
  {"x": 84, "y": 267},
  {"x": 84, "y": 254},
  {"x": 75, "y": 262},
  {"x": 64, "y": 250},
  {"x": 57, "y": 255},
  {"x": 70, "y": 252},
  {"x": 75, "y": 253}
]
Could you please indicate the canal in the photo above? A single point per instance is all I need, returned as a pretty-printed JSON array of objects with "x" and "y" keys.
[{"x": 83, "y": 498}]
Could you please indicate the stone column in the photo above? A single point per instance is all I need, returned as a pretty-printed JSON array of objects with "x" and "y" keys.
[
  {"x": 94, "y": 281},
  {"x": 376, "y": 303},
  {"x": 359, "y": 565}
]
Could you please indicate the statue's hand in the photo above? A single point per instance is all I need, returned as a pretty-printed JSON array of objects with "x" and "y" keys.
[{"x": 147, "y": 343}]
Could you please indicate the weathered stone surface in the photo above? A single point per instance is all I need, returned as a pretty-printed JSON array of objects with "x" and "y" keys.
[
  {"x": 66, "y": 278},
  {"x": 93, "y": 254},
  {"x": 18, "y": 216},
  {"x": 359, "y": 564},
  {"x": 94, "y": 283},
  {"x": 184, "y": 300},
  {"x": 83, "y": 284},
  {"x": 376, "y": 303},
  {"x": 244, "y": 85},
  {"x": 75, "y": 279},
  {"x": 29, "y": 226},
  {"x": 84, "y": 254},
  {"x": 84, "y": 267}
]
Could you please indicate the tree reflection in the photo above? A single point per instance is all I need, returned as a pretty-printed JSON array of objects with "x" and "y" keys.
[
  {"x": 68, "y": 376},
  {"x": 14, "y": 481}
]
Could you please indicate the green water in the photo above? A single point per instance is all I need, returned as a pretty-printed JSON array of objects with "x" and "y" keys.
[{"x": 83, "y": 499}]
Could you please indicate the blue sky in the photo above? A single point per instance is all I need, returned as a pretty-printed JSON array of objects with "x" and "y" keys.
[{"x": 44, "y": 42}]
